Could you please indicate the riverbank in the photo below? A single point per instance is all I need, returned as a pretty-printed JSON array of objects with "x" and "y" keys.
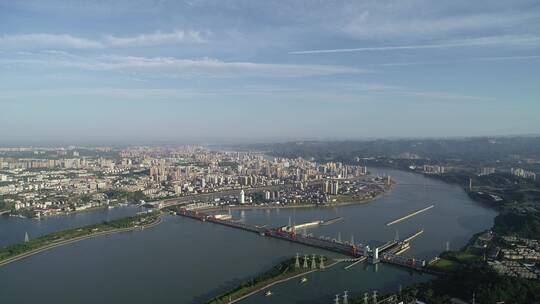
[
  {"x": 17, "y": 252},
  {"x": 283, "y": 272},
  {"x": 243, "y": 256},
  {"x": 65, "y": 213},
  {"x": 293, "y": 206},
  {"x": 472, "y": 270}
]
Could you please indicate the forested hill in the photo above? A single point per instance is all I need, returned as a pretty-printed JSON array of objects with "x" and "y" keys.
[{"x": 479, "y": 148}]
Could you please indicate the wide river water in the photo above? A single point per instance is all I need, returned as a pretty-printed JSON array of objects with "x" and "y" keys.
[{"x": 187, "y": 261}]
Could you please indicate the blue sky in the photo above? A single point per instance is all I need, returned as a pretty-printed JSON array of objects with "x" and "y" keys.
[{"x": 135, "y": 71}]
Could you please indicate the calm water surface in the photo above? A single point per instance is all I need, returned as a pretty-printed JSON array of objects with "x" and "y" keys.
[
  {"x": 13, "y": 229},
  {"x": 186, "y": 261}
]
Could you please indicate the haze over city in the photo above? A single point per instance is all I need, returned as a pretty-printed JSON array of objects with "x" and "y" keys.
[
  {"x": 266, "y": 151},
  {"x": 197, "y": 71}
]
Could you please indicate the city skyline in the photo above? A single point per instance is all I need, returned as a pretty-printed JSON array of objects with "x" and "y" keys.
[{"x": 242, "y": 71}]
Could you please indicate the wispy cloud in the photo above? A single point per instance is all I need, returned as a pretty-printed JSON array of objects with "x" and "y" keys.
[
  {"x": 174, "y": 67},
  {"x": 533, "y": 58},
  {"x": 215, "y": 67},
  {"x": 66, "y": 41},
  {"x": 504, "y": 58},
  {"x": 44, "y": 41},
  {"x": 393, "y": 91},
  {"x": 388, "y": 22},
  {"x": 157, "y": 38},
  {"x": 473, "y": 42},
  {"x": 333, "y": 93},
  {"x": 443, "y": 96}
]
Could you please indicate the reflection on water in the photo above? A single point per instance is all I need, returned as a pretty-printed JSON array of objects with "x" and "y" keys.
[
  {"x": 322, "y": 287},
  {"x": 13, "y": 229},
  {"x": 186, "y": 261}
]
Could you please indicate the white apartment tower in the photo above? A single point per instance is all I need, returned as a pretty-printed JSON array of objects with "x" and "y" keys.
[{"x": 241, "y": 197}]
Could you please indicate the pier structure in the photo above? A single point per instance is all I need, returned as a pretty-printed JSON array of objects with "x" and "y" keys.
[
  {"x": 293, "y": 227},
  {"x": 409, "y": 215}
]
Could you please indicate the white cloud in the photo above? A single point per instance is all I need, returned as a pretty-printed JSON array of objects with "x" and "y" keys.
[
  {"x": 504, "y": 58},
  {"x": 43, "y": 41},
  {"x": 66, "y": 41},
  {"x": 402, "y": 23},
  {"x": 214, "y": 67},
  {"x": 532, "y": 58},
  {"x": 443, "y": 96},
  {"x": 174, "y": 67},
  {"x": 392, "y": 91},
  {"x": 154, "y": 39},
  {"x": 333, "y": 93},
  {"x": 473, "y": 42}
]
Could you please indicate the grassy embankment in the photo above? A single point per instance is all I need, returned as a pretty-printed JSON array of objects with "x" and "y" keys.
[
  {"x": 283, "y": 271},
  {"x": 451, "y": 260},
  {"x": 14, "y": 252}
]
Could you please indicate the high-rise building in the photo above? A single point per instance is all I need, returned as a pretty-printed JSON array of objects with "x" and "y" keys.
[
  {"x": 429, "y": 169},
  {"x": 335, "y": 188},
  {"x": 487, "y": 171},
  {"x": 523, "y": 173},
  {"x": 326, "y": 187},
  {"x": 241, "y": 197},
  {"x": 178, "y": 189}
]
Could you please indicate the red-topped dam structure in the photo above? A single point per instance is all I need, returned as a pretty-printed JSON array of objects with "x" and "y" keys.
[{"x": 387, "y": 253}]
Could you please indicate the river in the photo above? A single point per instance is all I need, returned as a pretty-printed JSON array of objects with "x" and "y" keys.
[
  {"x": 186, "y": 261},
  {"x": 13, "y": 229}
]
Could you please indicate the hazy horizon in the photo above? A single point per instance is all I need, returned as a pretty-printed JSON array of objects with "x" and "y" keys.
[
  {"x": 266, "y": 71},
  {"x": 234, "y": 141}
]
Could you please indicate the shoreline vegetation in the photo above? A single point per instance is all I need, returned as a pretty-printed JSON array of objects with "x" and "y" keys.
[
  {"x": 282, "y": 272},
  {"x": 20, "y": 251},
  {"x": 468, "y": 275}
]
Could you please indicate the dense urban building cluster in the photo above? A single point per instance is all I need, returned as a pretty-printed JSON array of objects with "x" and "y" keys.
[
  {"x": 523, "y": 173},
  {"x": 517, "y": 258},
  {"x": 487, "y": 171},
  {"x": 433, "y": 169},
  {"x": 44, "y": 181}
]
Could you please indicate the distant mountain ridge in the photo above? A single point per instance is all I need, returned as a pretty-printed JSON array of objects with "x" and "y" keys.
[{"x": 477, "y": 148}]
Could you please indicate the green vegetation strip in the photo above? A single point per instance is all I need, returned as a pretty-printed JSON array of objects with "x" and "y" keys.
[
  {"x": 18, "y": 251},
  {"x": 467, "y": 273},
  {"x": 522, "y": 225},
  {"x": 282, "y": 272}
]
